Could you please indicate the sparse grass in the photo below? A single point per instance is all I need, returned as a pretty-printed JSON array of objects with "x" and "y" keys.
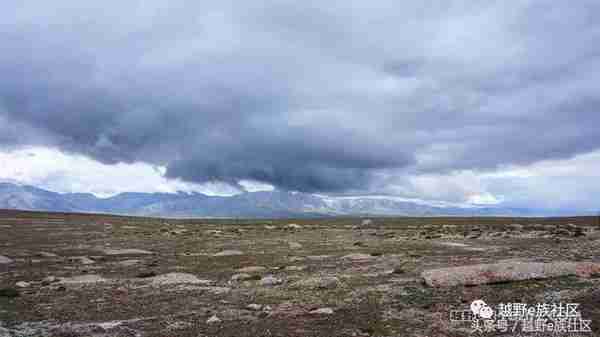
[{"x": 370, "y": 298}]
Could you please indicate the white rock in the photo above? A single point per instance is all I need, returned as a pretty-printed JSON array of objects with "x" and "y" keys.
[
  {"x": 241, "y": 277},
  {"x": 128, "y": 263},
  {"x": 294, "y": 245},
  {"x": 128, "y": 251},
  {"x": 213, "y": 320},
  {"x": 5, "y": 260},
  {"x": 22, "y": 284},
  {"x": 83, "y": 279},
  {"x": 293, "y": 226},
  {"x": 270, "y": 281},
  {"x": 322, "y": 311},
  {"x": 177, "y": 278},
  {"x": 254, "y": 307},
  {"x": 229, "y": 253},
  {"x": 252, "y": 269},
  {"x": 46, "y": 254}
]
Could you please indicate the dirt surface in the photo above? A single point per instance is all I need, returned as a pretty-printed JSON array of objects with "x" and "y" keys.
[{"x": 94, "y": 275}]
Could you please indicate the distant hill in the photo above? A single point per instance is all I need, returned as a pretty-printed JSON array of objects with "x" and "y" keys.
[{"x": 252, "y": 204}]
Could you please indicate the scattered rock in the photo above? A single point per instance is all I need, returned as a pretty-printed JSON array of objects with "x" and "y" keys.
[
  {"x": 252, "y": 269},
  {"x": 229, "y": 253},
  {"x": 22, "y": 284},
  {"x": 244, "y": 277},
  {"x": 322, "y": 311},
  {"x": 269, "y": 227},
  {"x": 254, "y": 307},
  {"x": 293, "y": 226},
  {"x": 129, "y": 251},
  {"x": 213, "y": 320},
  {"x": 506, "y": 272},
  {"x": 177, "y": 278},
  {"x": 295, "y": 268},
  {"x": 270, "y": 281},
  {"x": 128, "y": 263},
  {"x": 5, "y": 260},
  {"x": 179, "y": 326},
  {"x": 83, "y": 279}
]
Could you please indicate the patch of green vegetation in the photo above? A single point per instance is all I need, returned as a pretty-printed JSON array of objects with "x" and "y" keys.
[{"x": 9, "y": 292}]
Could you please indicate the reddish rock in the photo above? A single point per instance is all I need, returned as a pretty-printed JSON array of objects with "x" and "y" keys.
[{"x": 506, "y": 272}]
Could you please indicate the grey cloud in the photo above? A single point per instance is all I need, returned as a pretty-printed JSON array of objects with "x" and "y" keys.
[{"x": 305, "y": 96}]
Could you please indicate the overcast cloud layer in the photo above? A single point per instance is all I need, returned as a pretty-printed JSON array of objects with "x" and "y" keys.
[{"x": 330, "y": 97}]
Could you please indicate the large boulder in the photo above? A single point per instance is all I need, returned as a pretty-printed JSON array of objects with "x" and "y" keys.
[{"x": 506, "y": 272}]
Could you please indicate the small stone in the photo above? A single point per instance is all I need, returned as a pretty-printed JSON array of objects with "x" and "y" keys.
[
  {"x": 244, "y": 277},
  {"x": 254, "y": 307},
  {"x": 83, "y": 279},
  {"x": 5, "y": 260},
  {"x": 252, "y": 269},
  {"x": 128, "y": 263},
  {"x": 294, "y": 245},
  {"x": 213, "y": 320},
  {"x": 49, "y": 280},
  {"x": 22, "y": 284},
  {"x": 270, "y": 281},
  {"x": 322, "y": 311},
  {"x": 177, "y": 278},
  {"x": 229, "y": 253},
  {"x": 293, "y": 226},
  {"x": 128, "y": 251}
]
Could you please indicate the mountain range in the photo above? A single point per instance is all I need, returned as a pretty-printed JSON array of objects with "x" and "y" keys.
[{"x": 263, "y": 204}]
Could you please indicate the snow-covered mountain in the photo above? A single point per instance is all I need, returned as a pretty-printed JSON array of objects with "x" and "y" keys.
[{"x": 252, "y": 204}]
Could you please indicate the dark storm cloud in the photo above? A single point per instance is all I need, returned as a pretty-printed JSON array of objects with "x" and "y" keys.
[{"x": 307, "y": 96}]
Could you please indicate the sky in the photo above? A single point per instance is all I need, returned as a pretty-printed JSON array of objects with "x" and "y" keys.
[{"x": 473, "y": 102}]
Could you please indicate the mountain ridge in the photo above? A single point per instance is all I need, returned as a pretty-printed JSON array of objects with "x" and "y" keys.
[{"x": 262, "y": 204}]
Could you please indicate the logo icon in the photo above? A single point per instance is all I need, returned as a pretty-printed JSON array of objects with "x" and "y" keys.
[{"x": 481, "y": 309}]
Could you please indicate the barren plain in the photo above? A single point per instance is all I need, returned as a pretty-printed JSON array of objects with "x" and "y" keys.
[{"x": 99, "y": 275}]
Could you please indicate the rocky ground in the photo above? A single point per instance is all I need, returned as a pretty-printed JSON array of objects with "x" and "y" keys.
[{"x": 76, "y": 275}]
